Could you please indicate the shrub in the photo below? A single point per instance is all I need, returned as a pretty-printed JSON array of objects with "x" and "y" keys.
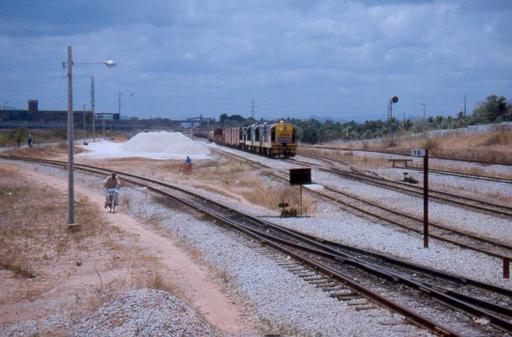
[{"x": 431, "y": 144}]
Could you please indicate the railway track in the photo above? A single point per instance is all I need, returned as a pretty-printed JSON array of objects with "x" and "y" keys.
[
  {"x": 372, "y": 210},
  {"x": 456, "y": 199},
  {"x": 397, "y": 285},
  {"x": 464, "y": 175},
  {"x": 437, "y": 171}
]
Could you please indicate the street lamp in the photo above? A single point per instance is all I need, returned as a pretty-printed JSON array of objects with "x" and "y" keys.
[{"x": 71, "y": 194}]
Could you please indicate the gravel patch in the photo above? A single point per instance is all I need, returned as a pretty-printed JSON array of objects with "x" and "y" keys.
[
  {"x": 58, "y": 322},
  {"x": 145, "y": 312}
]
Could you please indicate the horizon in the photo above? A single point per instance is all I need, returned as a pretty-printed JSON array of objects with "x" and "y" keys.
[{"x": 331, "y": 60}]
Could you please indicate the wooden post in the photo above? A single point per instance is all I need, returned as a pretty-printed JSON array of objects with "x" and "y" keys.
[{"x": 300, "y": 209}]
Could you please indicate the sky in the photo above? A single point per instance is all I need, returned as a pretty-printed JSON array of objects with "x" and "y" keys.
[{"x": 302, "y": 58}]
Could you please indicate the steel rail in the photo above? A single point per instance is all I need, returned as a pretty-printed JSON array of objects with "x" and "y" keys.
[{"x": 464, "y": 175}]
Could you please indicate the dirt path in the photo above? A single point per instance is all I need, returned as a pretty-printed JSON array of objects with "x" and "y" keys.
[{"x": 191, "y": 278}]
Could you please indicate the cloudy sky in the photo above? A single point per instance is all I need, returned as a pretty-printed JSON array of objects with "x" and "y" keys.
[{"x": 334, "y": 58}]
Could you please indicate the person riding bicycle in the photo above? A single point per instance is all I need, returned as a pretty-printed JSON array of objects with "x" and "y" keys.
[
  {"x": 112, "y": 182},
  {"x": 187, "y": 165}
]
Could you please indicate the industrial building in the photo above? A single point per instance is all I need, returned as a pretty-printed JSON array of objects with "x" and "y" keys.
[{"x": 42, "y": 119}]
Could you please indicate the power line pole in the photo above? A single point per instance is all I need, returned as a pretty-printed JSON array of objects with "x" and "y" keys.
[
  {"x": 464, "y": 106},
  {"x": 93, "y": 101},
  {"x": 71, "y": 184},
  {"x": 85, "y": 132},
  {"x": 119, "y": 104},
  {"x": 252, "y": 108},
  {"x": 424, "y": 106}
]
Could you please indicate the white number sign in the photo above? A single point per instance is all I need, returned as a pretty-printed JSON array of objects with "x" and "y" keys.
[{"x": 418, "y": 152}]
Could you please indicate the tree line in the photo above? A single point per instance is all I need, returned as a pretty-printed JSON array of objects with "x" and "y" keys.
[{"x": 495, "y": 109}]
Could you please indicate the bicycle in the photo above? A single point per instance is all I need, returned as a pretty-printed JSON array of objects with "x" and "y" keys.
[
  {"x": 186, "y": 169},
  {"x": 111, "y": 198}
]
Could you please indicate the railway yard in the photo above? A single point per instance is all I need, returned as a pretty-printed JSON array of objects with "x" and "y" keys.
[{"x": 208, "y": 254}]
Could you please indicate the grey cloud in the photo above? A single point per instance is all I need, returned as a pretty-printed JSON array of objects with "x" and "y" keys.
[{"x": 295, "y": 57}]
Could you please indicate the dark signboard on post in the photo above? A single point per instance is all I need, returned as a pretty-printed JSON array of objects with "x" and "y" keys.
[{"x": 300, "y": 176}]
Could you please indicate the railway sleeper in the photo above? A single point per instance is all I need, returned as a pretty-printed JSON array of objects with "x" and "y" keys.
[
  {"x": 345, "y": 295},
  {"x": 333, "y": 289},
  {"x": 393, "y": 323},
  {"x": 348, "y": 298},
  {"x": 326, "y": 284},
  {"x": 321, "y": 282},
  {"x": 365, "y": 307},
  {"x": 306, "y": 275},
  {"x": 298, "y": 269}
]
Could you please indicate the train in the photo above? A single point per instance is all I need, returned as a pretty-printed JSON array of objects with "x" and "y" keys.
[{"x": 272, "y": 140}]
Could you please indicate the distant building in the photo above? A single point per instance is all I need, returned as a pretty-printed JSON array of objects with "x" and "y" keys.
[{"x": 35, "y": 118}]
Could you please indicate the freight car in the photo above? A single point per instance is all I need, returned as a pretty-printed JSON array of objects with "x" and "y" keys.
[
  {"x": 200, "y": 133},
  {"x": 273, "y": 140},
  {"x": 216, "y": 136}
]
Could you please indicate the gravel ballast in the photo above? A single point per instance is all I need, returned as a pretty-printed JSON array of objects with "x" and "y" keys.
[{"x": 145, "y": 312}]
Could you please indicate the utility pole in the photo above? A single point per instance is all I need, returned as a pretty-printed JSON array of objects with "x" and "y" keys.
[
  {"x": 119, "y": 104},
  {"x": 85, "y": 132},
  {"x": 93, "y": 101},
  {"x": 252, "y": 108},
  {"x": 70, "y": 126},
  {"x": 71, "y": 185},
  {"x": 464, "y": 107},
  {"x": 424, "y": 106}
]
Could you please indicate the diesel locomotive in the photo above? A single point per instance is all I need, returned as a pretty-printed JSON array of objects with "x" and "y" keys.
[{"x": 272, "y": 140}]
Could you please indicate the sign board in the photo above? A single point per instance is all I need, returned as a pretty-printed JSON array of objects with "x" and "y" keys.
[
  {"x": 418, "y": 152},
  {"x": 104, "y": 116},
  {"x": 300, "y": 176}
]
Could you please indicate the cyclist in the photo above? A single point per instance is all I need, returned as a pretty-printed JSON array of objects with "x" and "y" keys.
[{"x": 112, "y": 182}]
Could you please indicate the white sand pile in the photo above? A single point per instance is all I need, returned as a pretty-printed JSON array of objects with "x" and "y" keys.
[
  {"x": 163, "y": 142},
  {"x": 154, "y": 145}
]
